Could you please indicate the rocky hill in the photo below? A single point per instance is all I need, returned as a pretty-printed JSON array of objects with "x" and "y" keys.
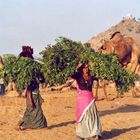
[{"x": 128, "y": 26}]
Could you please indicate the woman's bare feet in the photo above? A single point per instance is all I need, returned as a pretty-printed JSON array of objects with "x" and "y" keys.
[{"x": 20, "y": 128}]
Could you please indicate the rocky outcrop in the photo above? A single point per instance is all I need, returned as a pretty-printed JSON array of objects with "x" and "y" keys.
[{"x": 128, "y": 26}]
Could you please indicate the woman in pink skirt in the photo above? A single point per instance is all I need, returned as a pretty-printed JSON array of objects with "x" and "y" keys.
[{"x": 88, "y": 124}]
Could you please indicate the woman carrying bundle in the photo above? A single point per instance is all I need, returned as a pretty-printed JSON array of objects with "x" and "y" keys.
[
  {"x": 88, "y": 124},
  {"x": 33, "y": 116}
]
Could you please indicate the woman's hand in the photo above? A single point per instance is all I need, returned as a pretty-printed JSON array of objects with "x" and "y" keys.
[
  {"x": 32, "y": 104},
  {"x": 96, "y": 97}
]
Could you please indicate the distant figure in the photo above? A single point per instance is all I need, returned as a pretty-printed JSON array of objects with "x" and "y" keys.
[
  {"x": 2, "y": 87},
  {"x": 33, "y": 116},
  {"x": 88, "y": 124}
]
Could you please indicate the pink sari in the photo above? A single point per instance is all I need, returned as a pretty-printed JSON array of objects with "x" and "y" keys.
[{"x": 84, "y": 100}]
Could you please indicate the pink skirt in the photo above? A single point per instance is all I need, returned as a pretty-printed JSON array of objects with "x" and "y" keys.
[{"x": 84, "y": 100}]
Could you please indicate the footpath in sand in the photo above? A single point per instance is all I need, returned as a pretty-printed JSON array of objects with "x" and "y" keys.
[{"x": 120, "y": 118}]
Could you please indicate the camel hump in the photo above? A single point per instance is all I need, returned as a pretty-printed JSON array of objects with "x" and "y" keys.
[{"x": 134, "y": 45}]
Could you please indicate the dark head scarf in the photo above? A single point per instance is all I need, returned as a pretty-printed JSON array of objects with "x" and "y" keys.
[{"x": 27, "y": 51}]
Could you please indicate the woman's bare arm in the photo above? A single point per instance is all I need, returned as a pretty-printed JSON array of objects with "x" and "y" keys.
[{"x": 96, "y": 89}]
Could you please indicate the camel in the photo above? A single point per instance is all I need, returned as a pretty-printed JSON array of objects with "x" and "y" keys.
[{"x": 126, "y": 49}]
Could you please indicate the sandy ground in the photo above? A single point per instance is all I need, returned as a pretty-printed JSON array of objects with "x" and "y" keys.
[{"x": 120, "y": 118}]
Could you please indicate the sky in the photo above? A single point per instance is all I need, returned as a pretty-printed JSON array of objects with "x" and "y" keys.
[{"x": 38, "y": 23}]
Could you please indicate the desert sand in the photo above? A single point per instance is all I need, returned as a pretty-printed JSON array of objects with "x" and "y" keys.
[{"x": 120, "y": 118}]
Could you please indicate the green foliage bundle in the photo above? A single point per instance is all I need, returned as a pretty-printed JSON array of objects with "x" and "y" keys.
[
  {"x": 21, "y": 71},
  {"x": 1, "y": 72},
  {"x": 60, "y": 60},
  {"x": 9, "y": 60},
  {"x": 107, "y": 67}
]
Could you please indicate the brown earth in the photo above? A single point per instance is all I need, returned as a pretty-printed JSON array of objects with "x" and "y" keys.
[{"x": 120, "y": 118}]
